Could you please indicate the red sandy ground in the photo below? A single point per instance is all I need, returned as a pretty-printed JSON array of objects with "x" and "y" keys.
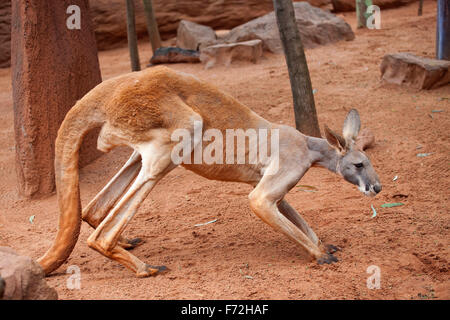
[{"x": 410, "y": 243}]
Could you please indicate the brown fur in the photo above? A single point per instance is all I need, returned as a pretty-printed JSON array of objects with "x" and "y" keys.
[{"x": 142, "y": 110}]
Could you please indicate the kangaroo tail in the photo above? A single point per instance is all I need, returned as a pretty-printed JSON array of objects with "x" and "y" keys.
[{"x": 78, "y": 121}]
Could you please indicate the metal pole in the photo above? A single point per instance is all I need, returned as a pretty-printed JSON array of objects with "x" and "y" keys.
[{"x": 443, "y": 30}]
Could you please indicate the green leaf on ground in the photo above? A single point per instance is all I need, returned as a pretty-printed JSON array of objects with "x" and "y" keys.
[
  {"x": 390, "y": 205},
  {"x": 204, "y": 224},
  {"x": 424, "y": 154},
  {"x": 307, "y": 188},
  {"x": 374, "y": 212}
]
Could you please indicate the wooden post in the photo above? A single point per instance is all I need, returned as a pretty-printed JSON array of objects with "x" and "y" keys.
[
  {"x": 132, "y": 37},
  {"x": 443, "y": 30},
  {"x": 419, "y": 12},
  {"x": 152, "y": 25},
  {"x": 361, "y": 12},
  {"x": 52, "y": 66},
  {"x": 304, "y": 108}
]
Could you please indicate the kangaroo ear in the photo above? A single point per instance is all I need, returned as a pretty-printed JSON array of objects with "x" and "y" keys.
[
  {"x": 352, "y": 124},
  {"x": 334, "y": 139}
]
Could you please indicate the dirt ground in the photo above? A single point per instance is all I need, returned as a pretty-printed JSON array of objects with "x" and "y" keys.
[{"x": 240, "y": 257}]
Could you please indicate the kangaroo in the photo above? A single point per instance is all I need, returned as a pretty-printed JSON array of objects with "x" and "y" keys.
[{"x": 142, "y": 110}]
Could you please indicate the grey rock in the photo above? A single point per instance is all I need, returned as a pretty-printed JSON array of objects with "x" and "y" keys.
[
  {"x": 174, "y": 55},
  {"x": 226, "y": 53},
  {"x": 193, "y": 36},
  {"x": 23, "y": 278},
  {"x": 418, "y": 72},
  {"x": 316, "y": 26}
]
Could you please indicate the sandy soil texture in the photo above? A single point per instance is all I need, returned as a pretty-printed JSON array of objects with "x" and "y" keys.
[{"x": 240, "y": 257}]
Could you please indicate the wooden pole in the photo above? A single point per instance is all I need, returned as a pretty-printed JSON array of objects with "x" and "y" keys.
[
  {"x": 443, "y": 30},
  {"x": 361, "y": 13},
  {"x": 152, "y": 25},
  {"x": 132, "y": 37},
  {"x": 304, "y": 108},
  {"x": 419, "y": 12}
]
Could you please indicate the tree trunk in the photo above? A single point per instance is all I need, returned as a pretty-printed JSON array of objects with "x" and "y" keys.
[
  {"x": 152, "y": 25},
  {"x": 361, "y": 13},
  {"x": 304, "y": 108},
  {"x": 52, "y": 67},
  {"x": 132, "y": 37}
]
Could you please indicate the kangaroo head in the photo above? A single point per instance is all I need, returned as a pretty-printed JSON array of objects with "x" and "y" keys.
[{"x": 352, "y": 163}]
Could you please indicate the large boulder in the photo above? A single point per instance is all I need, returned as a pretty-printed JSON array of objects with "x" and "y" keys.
[
  {"x": 21, "y": 278},
  {"x": 5, "y": 33},
  {"x": 413, "y": 71},
  {"x": 193, "y": 36},
  {"x": 110, "y": 22},
  {"x": 316, "y": 26},
  {"x": 109, "y": 18},
  {"x": 226, "y": 53},
  {"x": 349, "y": 5}
]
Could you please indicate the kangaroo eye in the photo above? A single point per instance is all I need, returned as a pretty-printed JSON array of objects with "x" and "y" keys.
[{"x": 359, "y": 165}]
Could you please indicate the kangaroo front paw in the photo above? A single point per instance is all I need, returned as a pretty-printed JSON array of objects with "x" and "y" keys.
[{"x": 327, "y": 258}]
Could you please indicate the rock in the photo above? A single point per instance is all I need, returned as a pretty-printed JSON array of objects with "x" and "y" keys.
[
  {"x": 349, "y": 5},
  {"x": 226, "y": 53},
  {"x": 109, "y": 18},
  {"x": 193, "y": 36},
  {"x": 316, "y": 26},
  {"x": 413, "y": 71},
  {"x": 52, "y": 67},
  {"x": 5, "y": 33},
  {"x": 23, "y": 278},
  {"x": 174, "y": 55},
  {"x": 110, "y": 23}
]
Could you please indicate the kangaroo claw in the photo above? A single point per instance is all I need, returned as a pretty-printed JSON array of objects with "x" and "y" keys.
[
  {"x": 130, "y": 244},
  {"x": 327, "y": 258},
  {"x": 332, "y": 249},
  {"x": 151, "y": 271}
]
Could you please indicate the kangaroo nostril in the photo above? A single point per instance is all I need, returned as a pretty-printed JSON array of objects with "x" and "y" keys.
[
  {"x": 367, "y": 187},
  {"x": 377, "y": 188}
]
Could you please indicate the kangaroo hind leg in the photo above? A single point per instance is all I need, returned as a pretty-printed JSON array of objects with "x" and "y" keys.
[
  {"x": 156, "y": 162},
  {"x": 102, "y": 203}
]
